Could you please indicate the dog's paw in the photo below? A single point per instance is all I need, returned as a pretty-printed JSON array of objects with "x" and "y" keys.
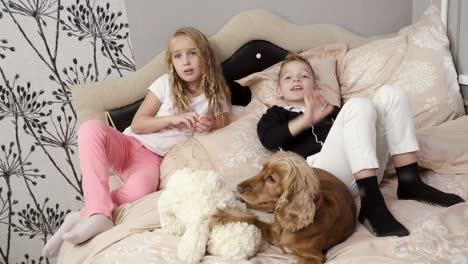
[{"x": 231, "y": 215}]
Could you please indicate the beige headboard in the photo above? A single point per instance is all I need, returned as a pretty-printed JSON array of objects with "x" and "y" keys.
[{"x": 91, "y": 100}]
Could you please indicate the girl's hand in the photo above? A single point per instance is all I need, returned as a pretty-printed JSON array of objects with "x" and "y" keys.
[
  {"x": 184, "y": 120},
  {"x": 205, "y": 123},
  {"x": 315, "y": 106}
]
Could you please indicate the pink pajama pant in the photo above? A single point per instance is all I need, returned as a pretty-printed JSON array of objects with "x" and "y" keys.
[{"x": 101, "y": 149}]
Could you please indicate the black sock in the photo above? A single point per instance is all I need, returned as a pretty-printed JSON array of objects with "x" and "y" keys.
[
  {"x": 374, "y": 213},
  {"x": 411, "y": 187}
]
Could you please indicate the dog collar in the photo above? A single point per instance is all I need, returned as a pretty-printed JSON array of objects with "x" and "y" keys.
[{"x": 318, "y": 201}]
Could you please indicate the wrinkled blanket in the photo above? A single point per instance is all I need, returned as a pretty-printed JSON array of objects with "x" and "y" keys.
[{"x": 438, "y": 235}]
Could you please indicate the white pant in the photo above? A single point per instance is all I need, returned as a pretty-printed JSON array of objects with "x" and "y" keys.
[{"x": 365, "y": 132}]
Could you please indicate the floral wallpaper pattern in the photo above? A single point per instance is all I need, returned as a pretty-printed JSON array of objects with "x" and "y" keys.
[{"x": 46, "y": 47}]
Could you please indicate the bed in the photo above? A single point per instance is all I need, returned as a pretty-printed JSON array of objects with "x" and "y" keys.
[{"x": 249, "y": 46}]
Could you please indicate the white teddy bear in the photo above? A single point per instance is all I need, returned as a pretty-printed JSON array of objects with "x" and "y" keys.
[{"x": 186, "y": 206}]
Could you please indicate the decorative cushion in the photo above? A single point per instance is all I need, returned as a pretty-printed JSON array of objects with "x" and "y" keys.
[
  {"x": 323, "y": 61},
  {"x": 234, "y": 151},
  {"x": 122, "y": 117},
  {"x": 441, "y": 153},
  {"x": 419, "y": 60},
  {"x": 253, "y": 56}
]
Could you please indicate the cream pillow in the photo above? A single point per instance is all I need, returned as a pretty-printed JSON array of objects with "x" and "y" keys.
[
  {"x": 233, "y": 151},
  {"x": 419, "y": 60},
  {"x": 323, "y": 61},
  {"x": 441, "y": 153},
  {"x": 187, "y": 154}
]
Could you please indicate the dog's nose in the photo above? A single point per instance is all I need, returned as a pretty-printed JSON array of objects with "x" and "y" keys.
[{"x": 240, "y": 189}]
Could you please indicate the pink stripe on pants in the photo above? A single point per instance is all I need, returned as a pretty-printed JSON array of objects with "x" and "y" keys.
[{"x": 102, "y": 148}]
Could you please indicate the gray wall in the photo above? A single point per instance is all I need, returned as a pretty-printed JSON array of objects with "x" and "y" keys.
[
  {"x": 153, "y": 22},
  {"x": 458, "y": 27},
  {"x": 419, "y": 6},
  {"x": 458, "y": 33}
]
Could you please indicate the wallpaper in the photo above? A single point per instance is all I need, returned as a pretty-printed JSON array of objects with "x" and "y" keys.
[{"x": 46, "y": 47}]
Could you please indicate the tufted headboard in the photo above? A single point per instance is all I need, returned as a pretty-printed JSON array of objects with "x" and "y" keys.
[
  {"x": 92, "y": 100},
  {"x": 253, "y": 56}
]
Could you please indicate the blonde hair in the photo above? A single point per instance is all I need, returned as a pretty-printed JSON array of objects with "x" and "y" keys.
[
  {"x": 292, "y": 56},
  {"x": 212, "y": 82}
]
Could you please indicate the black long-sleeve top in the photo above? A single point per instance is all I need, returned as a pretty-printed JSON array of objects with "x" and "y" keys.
[{"x": 273, "y": 132}]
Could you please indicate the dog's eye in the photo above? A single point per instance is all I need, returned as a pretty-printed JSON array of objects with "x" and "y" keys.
[{"x": 270, "y": 179}]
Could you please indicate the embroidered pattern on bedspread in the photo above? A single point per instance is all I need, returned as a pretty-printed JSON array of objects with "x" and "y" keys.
[
  {"x": 432, "y": 242},
  {"x": 245, "y": 146}
]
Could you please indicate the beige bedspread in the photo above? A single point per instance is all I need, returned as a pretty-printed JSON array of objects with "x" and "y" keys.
[{"x": 438, "y": 235}]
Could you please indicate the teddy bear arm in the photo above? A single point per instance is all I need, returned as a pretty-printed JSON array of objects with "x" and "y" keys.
[
  {"x": 173, "y": 226},
  {"x": 169, "y": 221}
]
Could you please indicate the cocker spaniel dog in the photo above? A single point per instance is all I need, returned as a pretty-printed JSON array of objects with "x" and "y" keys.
[{"x": 313, "y": 210}]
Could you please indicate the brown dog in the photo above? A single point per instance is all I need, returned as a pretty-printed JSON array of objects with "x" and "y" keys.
[{"x": 313, "y": 210}]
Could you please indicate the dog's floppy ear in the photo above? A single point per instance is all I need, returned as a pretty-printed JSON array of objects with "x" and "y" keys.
[{"x": 295, "y": 209}]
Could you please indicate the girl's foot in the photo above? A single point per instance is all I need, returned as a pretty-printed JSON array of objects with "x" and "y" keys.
[
  {"x": 95, "y": 225},
  {"x": 54, "y": 243}
]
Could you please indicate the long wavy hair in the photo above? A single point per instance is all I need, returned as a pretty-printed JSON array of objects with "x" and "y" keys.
[{"x": 212, "y": 81}]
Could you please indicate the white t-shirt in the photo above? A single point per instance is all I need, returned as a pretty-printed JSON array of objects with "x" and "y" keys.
[{"x": 162, "y": 141}]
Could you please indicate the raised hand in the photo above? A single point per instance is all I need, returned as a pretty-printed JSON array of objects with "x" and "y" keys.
[{"x": 316, "y": 108}]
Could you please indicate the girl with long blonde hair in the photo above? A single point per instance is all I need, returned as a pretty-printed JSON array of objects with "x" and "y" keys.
[
  {"x": 212, "y": 81},
  {"x": 192, "y": 97}
]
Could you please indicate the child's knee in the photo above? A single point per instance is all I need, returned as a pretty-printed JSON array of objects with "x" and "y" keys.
[
  {"x": 131, "y": 192},
  {"x": 390, "y": 94},
  {"x": 91, "y": 127},
  {"x": 360, "y": 106}
]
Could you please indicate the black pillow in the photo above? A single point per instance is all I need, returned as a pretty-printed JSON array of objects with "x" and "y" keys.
[
  {"x": 254, "y": 56},
  {"x": 120, "y": 118}
]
